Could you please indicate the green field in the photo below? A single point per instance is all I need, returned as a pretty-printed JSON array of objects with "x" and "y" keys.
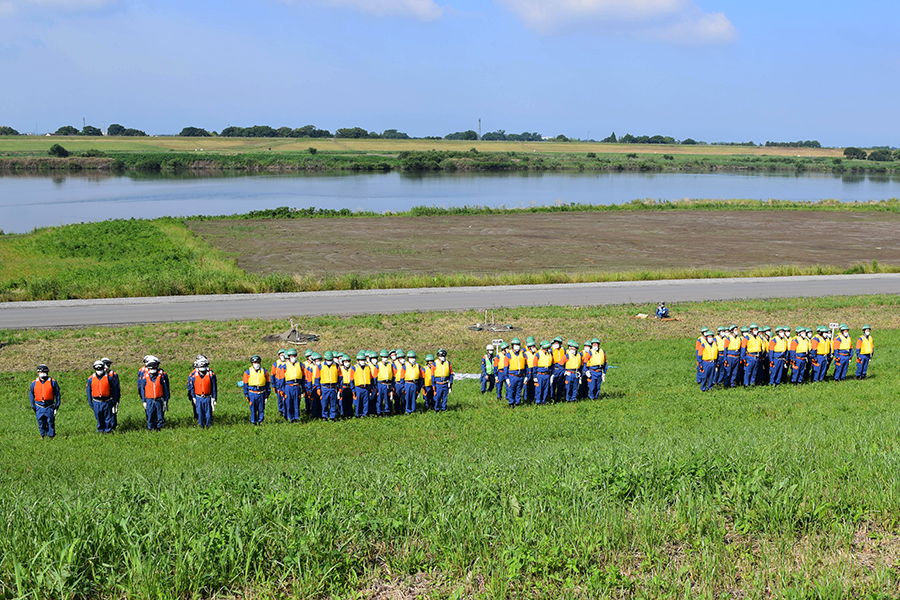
[{"x": 653, "y": 491}]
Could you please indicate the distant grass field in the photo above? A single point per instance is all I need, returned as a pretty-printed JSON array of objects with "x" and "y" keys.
[
  {"x": 39, "y": 144},
  {"x": 443, "y": 248},
  {"x": 653, "y": 491}
]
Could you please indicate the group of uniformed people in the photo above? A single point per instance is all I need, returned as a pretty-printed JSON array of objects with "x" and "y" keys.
[
  {"x": 549, "y": 373},
  {"x": 331, "y": 385},
  {"x": 754, "y": 355}
]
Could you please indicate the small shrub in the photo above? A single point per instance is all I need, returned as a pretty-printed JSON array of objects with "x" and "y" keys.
[
  {"x": 592, "y": 155},
  {"x": 668, "y": 157},
  {"x": 312, "y": 150},
  {"x": 631, "y": 155},
  {"x": 58, "y": 151}
]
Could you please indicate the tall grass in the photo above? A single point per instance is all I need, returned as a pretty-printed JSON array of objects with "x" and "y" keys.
[{"x": 655, "y": 490}]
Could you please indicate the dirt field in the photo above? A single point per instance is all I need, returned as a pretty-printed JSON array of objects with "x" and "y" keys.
[{"x": 569, "y": 242}]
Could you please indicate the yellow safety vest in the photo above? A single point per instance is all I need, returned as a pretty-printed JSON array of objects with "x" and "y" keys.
[
  {"x": 292, "y": 371},
  {"x": 734, "y": 343},
  {"x": 517, "y": 361},
  {"x": 328, "y": 374},
  {"x": 866, "y": 345},
  {"x": 362, "y": 375},
  {"x": 842, "y": 342},
  {"x": 597, "y": 358},
  {"x": 544, "y": 359},
  {"x": 710, "y": 351},
  {"x": 385, "y": 372},
  {"x": 573, "y": 362},
  {"x": 753, "y": 345},
  {"x": 779, "y": 345},
  {"x": 412, "y": 372},
  {"x": 802, "y": 345},
  {"x": 257, "y": 378},
  {"x": 442, "y": 369}
]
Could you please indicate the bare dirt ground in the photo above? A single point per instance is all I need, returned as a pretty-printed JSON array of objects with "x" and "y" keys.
[{"x": 567, "y": 242}]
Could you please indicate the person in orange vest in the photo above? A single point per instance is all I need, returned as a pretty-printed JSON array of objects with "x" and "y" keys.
[
  {"x": 751, "y": 350},
  {"x": 709, "y": 351},
  {"x": 361, "y": 377},
  {"x": 411, "y": 375},
  {"x": 443, "y": 381},
  {"x": 543, "y": 373},
  {"x": 698, "y": 350},
  {"x": 516, "y": 368},
  {"x": 595, "y": 369},
  {"x": 384, "y": 376},
  {"x": 428, "y": 382},
  {"x": 488, "y": 371},
  {"x": 843, "y": 352},
  {"x": 865, "y": 348},
  {"x": 202, "y": 389},
  {"x": 154, "y": 392},
  {"x": 572, "y": 371},
  {"x": 102, "y": 396},
  {"x": 799, "y": 354},
  {"x": 290, "y": 378},
  {"x": 778, "y": 354},
  {"x": 277, "y": 377},
  {"x": 45, "y": 397},
  {"x": 257, "y": 387},
  {"x": 309, "y": 381}
]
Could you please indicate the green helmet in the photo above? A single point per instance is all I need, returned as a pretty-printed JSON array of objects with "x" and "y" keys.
[
  {"x": 844, "y": 327},
  {"x": 345, "y": 358},
  {"x": 504, "y": 346},
  {"x": 704, "y": 329},
  {"x": 558, "y": 339},
  {"x": 545, "y": 344},
  {"x": 315, "y": 356},
  {"x": 799, "y": 329},
  {"x": 308, "y": 353},
  {"x": 384, "y": 354},
  {"x": 515, "y": 341},
  {"x": 429, "y": 357},
  {"x": 745, "y": 330},
  {"x": 411, "y": 354},
  {"x": 255, "y": 358},
  {"x": 732, "y": 326},
  {"x": 281, "y": 351},
  {"x": 754, "y": 326},
  {"x": 529, "y": 341},
  {"x": 291, "y": 352},
  {"x": 329, "y": 355},
  {"x": 572, "y": 343},
  {"x": 866, "y": 327},
  {"x": 361, "y": 356},
  {"x": 595, "y": 341},
  {"x": 721, "y": 328},
  {"x": 766, "y": 328},
  {"x": 401, "y": 354}
]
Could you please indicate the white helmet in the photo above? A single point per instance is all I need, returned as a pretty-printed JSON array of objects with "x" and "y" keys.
[
  {"x": 489, "y": 347},
  {"x": 98, "y": 364},
  {"x": 150, "y": 359}
]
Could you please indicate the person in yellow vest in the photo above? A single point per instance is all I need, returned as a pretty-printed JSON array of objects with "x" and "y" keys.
[
  {"x": 732, "y": 357},
  {"x": 865, "y": 348},
  {"x": 530, "y": 354},
  {"x": 819, "y": 353},
  {"x": 487, "y": 370},
  {"x": 572, "y": 371},
  {"x": 799, "y": 354},
  {"x": 257, "y": 387},
  {"x": 762, "y": 368},
  {"x": 277, "y": 377},
  {"x": 595, "y": 369},
  {"x": 328, "y": 380},
  {"x": 559, "y": 370},
  {"x": 722, "y": 342},
  {"x": 45, "y": 397},
  {"x": 751, "y": 350},
  {"x": 778, "y": 355},
  {"x": 443, "y": 380},
  {"x": 384, "y": 375},
  {"x": 843, "y": 352},
  {"x": 428, "y": 382},
  {"x": 399, "y": 359},
  {"x": 543, "y": 373},
  {"x": 501, "y": 363},
  {"x": 516, "y": 369},
  {"x": 345, "y": 392},
  {"x": 290, "y": 379},
  {"x": 709, "y": 352},
  {"x": 412, "y": 375},
  {"x": 583, "y": 381},
  {"x": 361, "y": 375}
]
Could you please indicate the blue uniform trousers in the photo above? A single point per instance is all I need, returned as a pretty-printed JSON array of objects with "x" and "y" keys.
[
  {"x": 441, "y": 394},
  {"x": 776, "y": 371},
  {"x": 594, "y": 383},
  {"x": 155, "y": 410},
  {"x": 410, "y": 391},
  {"x": 103, "y": 413},
  {"x": 708, "y": 371},
  {"x": 862, "y": 364},
  {"x": 428, "y": 397},
  {"x": 46, "y": 420},
  {"x": 501, "y": 382},
  {"x": 798, "y": 369},
  {"x": 384, "y": 398},
  {"x": 841, "y": 362},
  {"x": 751, "y": 363},
  {"x": 400, "y": 397},
  {"x": 328, "y": 402},
  {"x": 360, "y": 401},
  {"x": 257, "y": 401},
  {"x": 720, "y": 368},
  {"x": 572, "y": 383},
  {"x": 542, "y": 388},
  {"x": 732, "y": 369},
  {"x": 282, "y": 400},
  {"x": 487, "y": 382},
  {"x": 818, "y": 366},
  {"x": 699, "y": 372},
  {"x": 514, "y": 391},
  {"x": 529, "y": 386},
  {"x": 204, "y": 410},
  {"x": 559, "y": 383},
  {"x": 291, "y": 403}
]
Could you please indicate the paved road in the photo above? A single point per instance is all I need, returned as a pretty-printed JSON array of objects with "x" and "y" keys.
[{"x": 72, "y": 313}]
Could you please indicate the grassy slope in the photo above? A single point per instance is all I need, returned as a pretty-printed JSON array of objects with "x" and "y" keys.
[{"x": 655, "y": 490}]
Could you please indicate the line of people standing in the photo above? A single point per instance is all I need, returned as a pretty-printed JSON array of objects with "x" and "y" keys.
[
  {"x": 747, "y": 356},
  {"x": 547, "y": 374}
]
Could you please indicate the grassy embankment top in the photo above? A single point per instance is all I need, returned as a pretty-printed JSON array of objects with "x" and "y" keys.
[
  {"x": 639, "y": 241},
  {"x": 655, "y": 490},
  {"x": 168, "y": 154}
]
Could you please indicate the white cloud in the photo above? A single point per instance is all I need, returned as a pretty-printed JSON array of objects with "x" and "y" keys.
[
  {"x": 424, "y": 10},
  {"x": 674, "y": 21},
  {"x": 7, "y": 9}
]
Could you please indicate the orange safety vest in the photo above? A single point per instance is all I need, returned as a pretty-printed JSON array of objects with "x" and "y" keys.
[
  {"x": 203, "y": 384},
  {"x": 153, "y": 387},
  {"x": 43, "y": 390},
  {"x": 100, "y": 387}
]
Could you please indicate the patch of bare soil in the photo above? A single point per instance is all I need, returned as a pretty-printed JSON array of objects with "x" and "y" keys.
[{"x": 567, "y": 242}]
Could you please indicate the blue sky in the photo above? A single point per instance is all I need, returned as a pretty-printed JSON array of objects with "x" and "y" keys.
[{"x": 713, "y": 70}]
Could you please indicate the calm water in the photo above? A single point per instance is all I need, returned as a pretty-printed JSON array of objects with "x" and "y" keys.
[{"x": 29, "y": 202}]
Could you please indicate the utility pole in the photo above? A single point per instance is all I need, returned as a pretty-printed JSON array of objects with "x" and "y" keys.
[{"x": 479, "y": 128}]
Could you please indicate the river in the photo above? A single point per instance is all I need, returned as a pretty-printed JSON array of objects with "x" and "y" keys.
[{"x": 27, "y": 202}]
